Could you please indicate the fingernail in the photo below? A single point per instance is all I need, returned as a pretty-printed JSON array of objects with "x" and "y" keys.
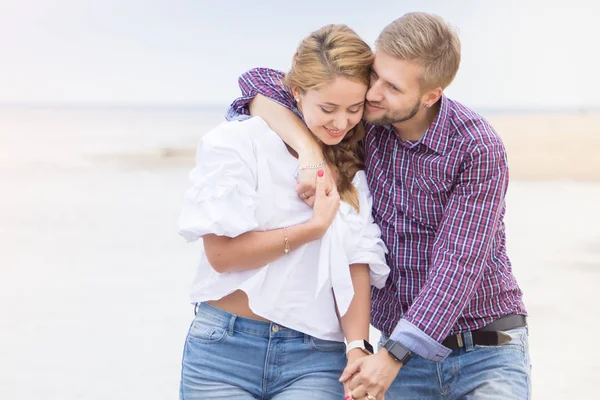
[
  {"x": 347, "y": 398},
  {"x": 321, "y": 173}
]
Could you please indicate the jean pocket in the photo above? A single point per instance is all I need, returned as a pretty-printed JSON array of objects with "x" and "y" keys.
[
  {"x": 206, "y": 331},
  {"x": 327, "y": 345},
  {"x": 517, "y": 341}
]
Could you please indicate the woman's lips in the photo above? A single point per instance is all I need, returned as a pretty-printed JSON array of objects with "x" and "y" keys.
[{"x": 334, "y": 133}]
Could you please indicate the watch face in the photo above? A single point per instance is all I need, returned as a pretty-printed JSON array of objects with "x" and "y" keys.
[
  {"x": 397, "y": 351},
  {"x": 368, "y": 347}
]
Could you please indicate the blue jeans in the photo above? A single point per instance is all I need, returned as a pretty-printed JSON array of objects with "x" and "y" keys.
[
  {"x": 231, "y": 357},
  {"x": 471, "y": 373}
]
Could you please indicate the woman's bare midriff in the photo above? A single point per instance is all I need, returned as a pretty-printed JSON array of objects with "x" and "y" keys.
[{"x": 236, "y": 303}]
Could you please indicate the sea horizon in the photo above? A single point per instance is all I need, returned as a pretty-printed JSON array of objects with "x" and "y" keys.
[{"x": 168, "y": 106}]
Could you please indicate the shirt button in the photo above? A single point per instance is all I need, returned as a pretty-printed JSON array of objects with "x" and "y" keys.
[{"x": 275, "y": 328}]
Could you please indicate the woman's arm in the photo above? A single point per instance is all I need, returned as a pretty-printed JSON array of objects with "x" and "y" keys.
[
  {"x": 255, "y": 249},
  {"x": 355, "y": 323}
]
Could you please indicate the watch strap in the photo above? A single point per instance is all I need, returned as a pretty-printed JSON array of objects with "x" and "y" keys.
[{"x": 360, "y": 344}]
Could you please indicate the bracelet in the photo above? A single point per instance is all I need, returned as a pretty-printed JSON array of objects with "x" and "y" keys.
[
  {"x": 314, "y": 166},
  {"x": 286, "y": 249}
]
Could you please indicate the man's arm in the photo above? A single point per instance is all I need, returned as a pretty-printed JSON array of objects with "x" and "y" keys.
[
  {"x": 458, "y": 259},
  {"x": 290, "y": 128},
  {"x": 264, "y": 95},
  {"x": 459, "y": 252},
  {"x": 266, "y": 82}
]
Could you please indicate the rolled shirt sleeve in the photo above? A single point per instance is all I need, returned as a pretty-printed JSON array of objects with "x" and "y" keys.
[{"x": 265, "y": 81}]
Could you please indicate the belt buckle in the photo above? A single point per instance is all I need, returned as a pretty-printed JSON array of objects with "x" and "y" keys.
[{"x": 459, "y": 340}]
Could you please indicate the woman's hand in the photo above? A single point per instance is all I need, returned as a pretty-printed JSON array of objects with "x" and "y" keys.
[
  {"x": 325, "y": 206},
  {"x": 353, "y": 355},
  {"x": 307, "y": 178}
]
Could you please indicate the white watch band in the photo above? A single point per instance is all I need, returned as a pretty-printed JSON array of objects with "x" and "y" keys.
[{"x": 357, "y": 344}]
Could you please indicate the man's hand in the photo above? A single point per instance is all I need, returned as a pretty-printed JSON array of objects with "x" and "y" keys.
[
  {"x": 371, "y": 375},
  {"x": 307, "y": 179}
]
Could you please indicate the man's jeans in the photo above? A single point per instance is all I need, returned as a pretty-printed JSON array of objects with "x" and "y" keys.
[{"x": 473, "y": 372}]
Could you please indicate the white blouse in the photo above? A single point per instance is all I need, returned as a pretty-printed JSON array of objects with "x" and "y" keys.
[{"x": 244, "y": 180}]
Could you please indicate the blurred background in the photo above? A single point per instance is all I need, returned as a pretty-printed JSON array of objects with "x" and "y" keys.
[{"x": 102, "y": 104}]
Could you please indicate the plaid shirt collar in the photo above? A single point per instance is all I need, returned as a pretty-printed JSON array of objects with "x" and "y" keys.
[{"x": 436, "y": 136}]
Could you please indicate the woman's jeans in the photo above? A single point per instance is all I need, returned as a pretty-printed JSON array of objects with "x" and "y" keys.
[{"x": 231, "y": 357}]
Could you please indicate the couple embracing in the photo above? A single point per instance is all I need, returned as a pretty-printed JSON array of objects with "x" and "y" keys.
[{"x": 347, "y": 191}]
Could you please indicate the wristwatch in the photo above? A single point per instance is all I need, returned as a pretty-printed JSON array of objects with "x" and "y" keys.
[
  {"x": 397, "y": 351},
  {"x": 360, "y": 344}
]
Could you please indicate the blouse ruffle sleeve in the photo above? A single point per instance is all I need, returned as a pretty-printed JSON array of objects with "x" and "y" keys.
[{"x": 222, "y": 199}]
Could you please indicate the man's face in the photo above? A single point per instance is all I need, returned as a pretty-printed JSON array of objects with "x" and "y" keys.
[{"x": 394, "y": 92}]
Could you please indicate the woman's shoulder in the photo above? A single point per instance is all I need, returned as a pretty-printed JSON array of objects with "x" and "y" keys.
[
  {"x": 236, "y": 129},
  {"x": 240, "y": 136}
]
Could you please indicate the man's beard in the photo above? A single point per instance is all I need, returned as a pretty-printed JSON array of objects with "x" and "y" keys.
[{"x": 395, "y": 118}]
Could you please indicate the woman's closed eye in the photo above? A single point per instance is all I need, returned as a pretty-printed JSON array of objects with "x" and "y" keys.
[
  {"x": 352, "y": 110},
  {"x": 355, "y": 110}
]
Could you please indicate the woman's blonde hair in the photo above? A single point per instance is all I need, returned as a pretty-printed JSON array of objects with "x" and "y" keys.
[{"x": 328, "y": 53}]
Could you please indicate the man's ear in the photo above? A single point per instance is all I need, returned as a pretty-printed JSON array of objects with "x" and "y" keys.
[{"x": 432, "y": 96}]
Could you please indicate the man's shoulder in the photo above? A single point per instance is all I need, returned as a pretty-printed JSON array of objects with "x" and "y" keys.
[{"x": 470, "y": 127}]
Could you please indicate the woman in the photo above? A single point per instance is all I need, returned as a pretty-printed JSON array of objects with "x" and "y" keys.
[{"x": 280, "y": 285}]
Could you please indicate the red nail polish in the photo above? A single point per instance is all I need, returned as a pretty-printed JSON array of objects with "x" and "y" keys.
[
  {"x": 321, "y": 173},
  {"x": 347, "y": 398}
]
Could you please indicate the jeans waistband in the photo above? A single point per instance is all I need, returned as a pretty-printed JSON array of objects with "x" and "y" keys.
[{"x": 243, "y": 324}]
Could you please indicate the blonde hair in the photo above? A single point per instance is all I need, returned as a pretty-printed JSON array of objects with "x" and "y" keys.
[
  {"x": 427, "y": 40},
  {"x": 326, "y": 54}
]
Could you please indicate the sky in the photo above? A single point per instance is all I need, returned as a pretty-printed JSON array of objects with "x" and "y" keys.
[{"x": 515, "y": 54}]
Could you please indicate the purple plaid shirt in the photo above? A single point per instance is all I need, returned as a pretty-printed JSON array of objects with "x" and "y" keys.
[{"x": 440, "y": 204}]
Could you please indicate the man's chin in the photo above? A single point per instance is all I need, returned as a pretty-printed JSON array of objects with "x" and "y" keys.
[{"x": 375, "y": 118}]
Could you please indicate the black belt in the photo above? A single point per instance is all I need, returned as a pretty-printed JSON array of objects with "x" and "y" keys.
[{"x": 492, "y": 334}]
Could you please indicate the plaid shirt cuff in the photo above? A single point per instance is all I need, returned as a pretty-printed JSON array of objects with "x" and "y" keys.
[
  {"x": 419, "y": 342},
  {"x": 233, "y": 115}
]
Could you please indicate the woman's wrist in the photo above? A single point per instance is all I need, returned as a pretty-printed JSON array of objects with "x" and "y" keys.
[
  {"x": 315, "y": 229},
  {"x": 355, "y": 354}
]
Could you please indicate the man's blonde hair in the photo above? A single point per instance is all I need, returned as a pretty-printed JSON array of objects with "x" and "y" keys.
[{"x": 427, "y": 40}]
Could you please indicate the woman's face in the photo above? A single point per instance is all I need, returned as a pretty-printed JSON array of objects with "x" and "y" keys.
[{"x": 333, "y": 109}]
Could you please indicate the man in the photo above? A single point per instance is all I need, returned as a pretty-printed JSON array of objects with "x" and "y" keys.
[{"x": 451, "y": 314}]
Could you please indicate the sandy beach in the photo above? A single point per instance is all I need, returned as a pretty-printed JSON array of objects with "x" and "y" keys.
[
  {"x": 94, "y": 279},
  {"x": 551, "y": 146}
]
